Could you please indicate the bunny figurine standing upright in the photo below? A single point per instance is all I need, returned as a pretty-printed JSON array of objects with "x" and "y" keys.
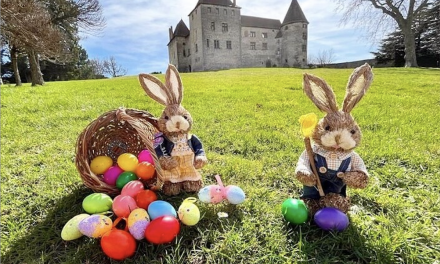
[
  {"x": 180, "y": 153},
  {"x": 335, "y": 137}
]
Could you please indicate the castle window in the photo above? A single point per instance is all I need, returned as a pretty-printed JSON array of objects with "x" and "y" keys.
[
  {"x": 184, "y": 53},
  {"x": 265, "y": 46},
  {"x": 189, "y": 52},
  {"x": 192, "y": 16},
  {"x": 225, "y": 12},
  {"x": 286, "y": 28},
  {"x": 207, "y": 43},
  {"x": 212, "y": 25},
  {"x": 197, "y": 48},
  {"x": 217, "y": 10},
  {"x": 209, "y": 10},
  {"x": 304, "y": 48},
  {"x": 253, "y": 46},
  {"x": 253, "y": 34},
  {"x": 216, "y": 44},
  {"x": 304, "y": 25},
  {"x": 264, "y": 35},
  {"x": 304, "y": 35},
  {"x": 233, "y": 12},
  {"x": 229, "y": 44},
  {"x": 225, "y": 27}
]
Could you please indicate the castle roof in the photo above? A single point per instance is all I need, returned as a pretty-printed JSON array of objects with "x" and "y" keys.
[
  {"x": 259, "y": 22},
  {"x": 216, "y": 2},
  {"x": 181, "y": 30},
  {"x": 294, "y": 14}
]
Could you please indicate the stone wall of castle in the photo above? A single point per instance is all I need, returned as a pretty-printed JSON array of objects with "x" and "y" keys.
[{"x": 219, "y": 41}]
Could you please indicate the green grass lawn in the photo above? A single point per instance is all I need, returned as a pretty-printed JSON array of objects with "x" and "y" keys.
[{"x": 248, "y": 122}]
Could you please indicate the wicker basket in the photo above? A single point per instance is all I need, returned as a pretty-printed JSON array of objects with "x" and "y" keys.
[{"x": 113, "y": 133}]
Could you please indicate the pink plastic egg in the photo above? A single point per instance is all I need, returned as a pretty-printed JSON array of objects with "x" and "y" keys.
[
  {"x": 112, "y": 174},
  {"x": 145, "y": 155},
  {"x": 132, "y": 188},
  {"x": 123, "y": 205}
]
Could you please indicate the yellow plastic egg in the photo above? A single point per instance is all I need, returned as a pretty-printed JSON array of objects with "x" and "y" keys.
[
  {"x": 70, "y": 230},
  {"x": 188, "y": 212},
  {"x": 128, "y": 162},
  {"x": 100, "y": 164}
]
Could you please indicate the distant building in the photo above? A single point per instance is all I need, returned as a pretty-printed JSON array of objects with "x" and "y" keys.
[{"x": 221, "y": 38}]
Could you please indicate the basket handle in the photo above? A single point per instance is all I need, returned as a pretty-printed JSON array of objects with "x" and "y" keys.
[{"x": 122, "y": 115}]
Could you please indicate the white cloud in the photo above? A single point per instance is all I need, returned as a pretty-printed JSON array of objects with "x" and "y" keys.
[{"x": 136, "y": 33}]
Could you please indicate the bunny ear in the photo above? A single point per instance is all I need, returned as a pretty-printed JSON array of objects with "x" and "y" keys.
[
  {"x": 174, "y": 85},
  {"x": 320, "y": 93},
  {"x": 154, "y": 88},
  {"x": 358, "y": 84}
]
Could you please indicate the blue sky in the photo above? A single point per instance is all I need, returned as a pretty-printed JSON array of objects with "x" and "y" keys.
[{"x": 136, "y": 31}]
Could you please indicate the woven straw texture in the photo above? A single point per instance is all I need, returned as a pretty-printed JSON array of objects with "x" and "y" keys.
[{"x": 112, "y": 134}]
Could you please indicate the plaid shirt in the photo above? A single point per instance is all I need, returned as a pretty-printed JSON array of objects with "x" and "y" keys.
[{"x": 334, "y": 160}]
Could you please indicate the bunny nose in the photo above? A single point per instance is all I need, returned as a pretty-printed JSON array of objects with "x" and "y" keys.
[
  {"x": 337, "y": 137},
  {"x": 177, "y": 125}
]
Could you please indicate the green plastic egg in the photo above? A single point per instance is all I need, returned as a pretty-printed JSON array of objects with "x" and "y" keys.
[
  {"x": 96, "y": 203},
  {"x": 125, "y": 178},
  {"x": 294, "y": 211},
  {"x": 70, "y": 230}
]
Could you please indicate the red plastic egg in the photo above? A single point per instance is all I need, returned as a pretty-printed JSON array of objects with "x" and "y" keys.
[
  {"x": 162, "y": 230},
  {"x": 118, "y": 244},
  {"x": 144, "y": 198}
]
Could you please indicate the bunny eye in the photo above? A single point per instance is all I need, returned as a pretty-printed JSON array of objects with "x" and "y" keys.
[
  {"x": 327, "y": 128},
  {"x": 186, "y": 118},
  {"x": 166, "y": 117},
  {"x": 187, "y": 210},
  {"x": 353, "y": 131}
]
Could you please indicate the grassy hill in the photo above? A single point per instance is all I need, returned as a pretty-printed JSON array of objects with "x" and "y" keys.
[{"x": 248, "y": 122}]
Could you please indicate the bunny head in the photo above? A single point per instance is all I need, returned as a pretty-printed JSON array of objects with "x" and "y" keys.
[
  {"x": 338, "y": 131},
  {"x": 174, "y": 119}
]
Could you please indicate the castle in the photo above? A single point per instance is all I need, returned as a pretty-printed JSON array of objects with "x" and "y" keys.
[{"x": 221, "y": 38}]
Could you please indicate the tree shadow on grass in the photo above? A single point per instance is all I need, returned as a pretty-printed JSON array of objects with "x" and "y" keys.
[
  {"x": 43, "y": 243},
  {"x": 348, "y": 246}
]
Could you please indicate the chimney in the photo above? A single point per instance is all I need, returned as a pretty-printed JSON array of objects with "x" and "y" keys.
[
  {"x": 171, "y": 33},
  {"x": 234, "y": 3}
]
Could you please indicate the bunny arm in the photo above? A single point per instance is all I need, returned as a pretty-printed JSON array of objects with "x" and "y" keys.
[
  {"x": 303, "y": 172},
  {"x": 357, "y": 177},
  {"x": 199, "y": 152}
]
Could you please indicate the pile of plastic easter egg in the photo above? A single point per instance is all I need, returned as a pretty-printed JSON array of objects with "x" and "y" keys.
[
  {"x": 146, "y": 218},
  {"x": 127, "y": 168}
]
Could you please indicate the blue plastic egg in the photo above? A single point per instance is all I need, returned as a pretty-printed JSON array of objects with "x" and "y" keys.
[
  {"x": 234, "y": 194},
  {"x": 204, "y": 195},
  {"x": 161, "y": 208}
]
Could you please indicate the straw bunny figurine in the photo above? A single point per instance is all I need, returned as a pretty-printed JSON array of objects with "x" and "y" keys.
[
  {"x": 334, "y": 137},
  {"x": 180, "y": 153}
]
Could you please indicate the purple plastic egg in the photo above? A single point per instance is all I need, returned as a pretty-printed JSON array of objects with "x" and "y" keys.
[{"x": 330, "y": 218}]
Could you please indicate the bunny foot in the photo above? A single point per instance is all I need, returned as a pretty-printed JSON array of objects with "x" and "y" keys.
[
  {"x": 336, "y": 201},
  {"x": 170, "y": 188},
  {"x": 192, "y": 186},
  {"x": 312, "y": 206}
]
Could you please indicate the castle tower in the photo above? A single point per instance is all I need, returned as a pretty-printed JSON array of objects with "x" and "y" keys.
[
  {"x": 293, "y": 35},
  {"x": 215, "y": 35},
  {"x": 177, "y": 47}
]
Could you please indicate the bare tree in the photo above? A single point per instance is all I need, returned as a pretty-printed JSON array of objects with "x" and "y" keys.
[
  {"x": 26, "y": 26},
  {"x": 325, "y": 57},
  {"x": 373, "y": 15},
  {"x": 112, "y": 68}
]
